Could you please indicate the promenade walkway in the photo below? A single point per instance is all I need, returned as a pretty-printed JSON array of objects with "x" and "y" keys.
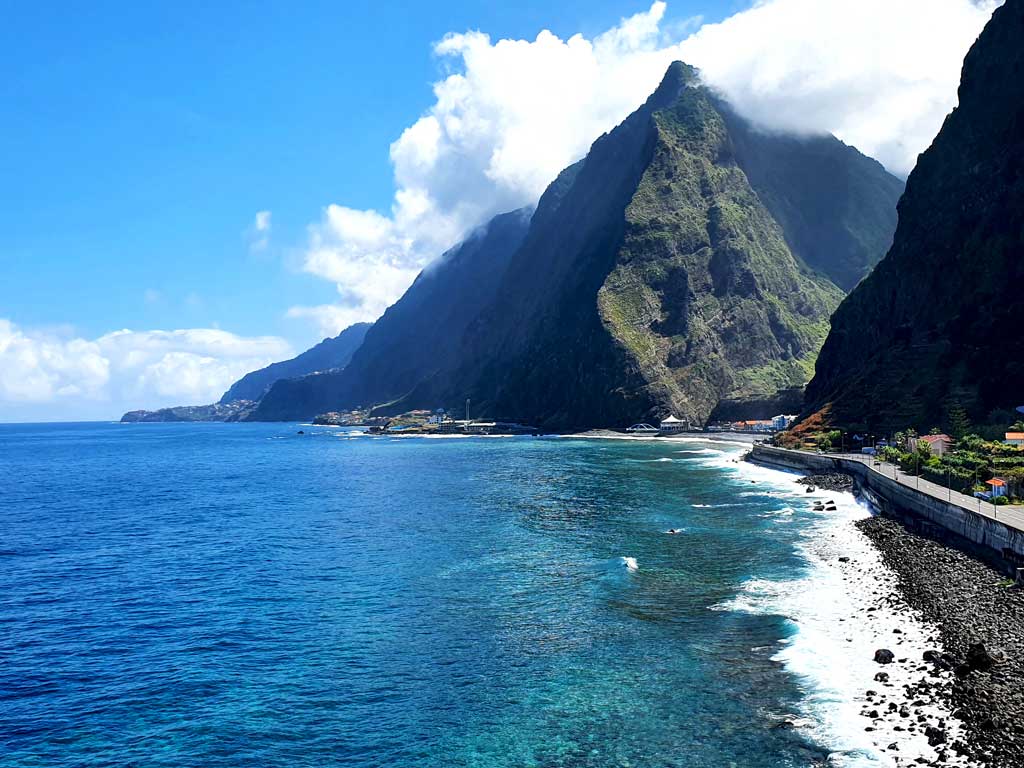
[{"x": 1011, "y": 516}]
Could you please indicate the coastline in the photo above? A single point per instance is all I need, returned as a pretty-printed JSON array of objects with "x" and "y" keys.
[
  {"x": 964, "y": 602},
  {"x": 844, "y": 607},
  {"x": 736, "y": 438},
  {"x": 971, "y": 603}
]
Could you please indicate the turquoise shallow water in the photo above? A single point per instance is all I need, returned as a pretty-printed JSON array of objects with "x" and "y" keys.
[{"x": 239, "y": 595}]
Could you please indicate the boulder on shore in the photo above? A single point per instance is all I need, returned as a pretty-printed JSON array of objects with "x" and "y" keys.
[
  {"x": 884, "y": 656},
  {"x": 978, "y": 657},
  {"x": 829, "y": 481}
]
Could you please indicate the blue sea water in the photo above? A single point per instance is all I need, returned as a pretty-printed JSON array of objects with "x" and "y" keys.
[{"x": 243, "y": 595}]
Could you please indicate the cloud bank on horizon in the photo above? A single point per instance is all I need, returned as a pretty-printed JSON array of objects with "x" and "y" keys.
[
  {"x": 46, "y": 376},
  {"x": 513, "y": 113}
]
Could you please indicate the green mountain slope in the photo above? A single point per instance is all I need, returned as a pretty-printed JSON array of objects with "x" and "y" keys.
[
  {"x": 940, "y": 321},
  {"x": 688, "y": 262},
  {"x": 661, "y": 282}
]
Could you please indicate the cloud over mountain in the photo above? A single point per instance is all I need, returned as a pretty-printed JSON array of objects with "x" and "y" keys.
[
  {"x": 46, "y": 375},
  {"x": 512, "y": 113}
]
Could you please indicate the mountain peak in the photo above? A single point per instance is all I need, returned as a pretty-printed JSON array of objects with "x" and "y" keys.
[{"x": 678, "y": 76}]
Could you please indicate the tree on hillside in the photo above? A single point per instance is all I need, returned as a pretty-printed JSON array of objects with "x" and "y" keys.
[{"x": 959, "y": 424}]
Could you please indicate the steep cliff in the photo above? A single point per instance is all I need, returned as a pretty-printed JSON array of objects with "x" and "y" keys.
[
  {"x": 416, "y": 336},
  {"x": 689, "y": 261},
  {"x": 940, "y": 321},
  {"x": 659, "y": 281}
]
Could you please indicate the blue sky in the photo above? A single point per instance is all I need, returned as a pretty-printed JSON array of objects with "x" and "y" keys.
[
  {"x": 141, "y": 138},
  {"x": 140, "y": 143}
]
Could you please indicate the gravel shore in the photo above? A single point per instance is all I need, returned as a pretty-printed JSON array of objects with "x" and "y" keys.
[{"x": 981, "y": 631}]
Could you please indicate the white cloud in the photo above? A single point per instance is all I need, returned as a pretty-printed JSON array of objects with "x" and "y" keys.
[
  {"x": 881, "y": 75},
  {"x": 258, "y": 233},
  {"x": 47, "y": 375},
  {"x": 329, "y": 318},
  {"x": 511, "y": 114}
]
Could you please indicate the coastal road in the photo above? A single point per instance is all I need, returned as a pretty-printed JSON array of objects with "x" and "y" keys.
[{"x": 1007, "y": 515}]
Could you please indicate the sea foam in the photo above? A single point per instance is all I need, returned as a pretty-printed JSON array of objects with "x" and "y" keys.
[{"x": 834, "y": 636}]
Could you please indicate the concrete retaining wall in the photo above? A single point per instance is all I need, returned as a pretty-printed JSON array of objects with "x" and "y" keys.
[{"x": 1000, "y": 544}]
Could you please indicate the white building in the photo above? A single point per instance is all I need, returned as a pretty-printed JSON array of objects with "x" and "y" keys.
[{"x": 671, "y": 426}]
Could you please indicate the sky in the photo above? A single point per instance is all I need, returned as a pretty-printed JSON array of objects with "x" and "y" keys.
[{"x": 194, "y": 190}]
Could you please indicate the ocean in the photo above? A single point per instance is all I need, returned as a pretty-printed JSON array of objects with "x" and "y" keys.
[{"x": 245, "y": 595}]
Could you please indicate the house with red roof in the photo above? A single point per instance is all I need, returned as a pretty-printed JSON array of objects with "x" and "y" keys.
[
  {"x": 940, "y": 445},
  {"x": 1015, "y": 438}
]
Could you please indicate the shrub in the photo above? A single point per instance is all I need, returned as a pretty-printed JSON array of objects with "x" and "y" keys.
[
  {"x": 891, "y": 454},
  {"x": 1000, "y": 501}
]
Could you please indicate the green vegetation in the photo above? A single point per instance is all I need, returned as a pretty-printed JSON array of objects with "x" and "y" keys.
[
  {"x": 689, "y": 261},
  {"x": 706, "y": 296},
  {"x": 965, "y": 468}
]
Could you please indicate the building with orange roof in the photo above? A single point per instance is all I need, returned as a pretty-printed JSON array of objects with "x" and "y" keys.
[
  {"x": 997, "y": 486},
  {"x": 940, "y": 445},
  {"x": 1015, "y": 438}
]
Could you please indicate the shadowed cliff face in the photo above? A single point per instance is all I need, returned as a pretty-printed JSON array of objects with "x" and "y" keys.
[
  {"x": 660, "y": 281},
  {"x": 415, "y": 337},
  {"x": 940, "y": 321},
  {"x": 657, "y": 275}
]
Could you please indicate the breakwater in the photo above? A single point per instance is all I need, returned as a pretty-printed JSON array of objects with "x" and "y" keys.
[{"x": 980, "y": 532}]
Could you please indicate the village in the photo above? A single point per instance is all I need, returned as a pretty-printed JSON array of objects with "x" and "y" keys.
[
  {"x": 985, "y": 462},
  {"x": 441, "y": 422},
  {"x": 423, "y": 422}
]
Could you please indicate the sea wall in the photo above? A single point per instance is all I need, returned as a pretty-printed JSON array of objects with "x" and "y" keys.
[{"x": 999, "y": 544}]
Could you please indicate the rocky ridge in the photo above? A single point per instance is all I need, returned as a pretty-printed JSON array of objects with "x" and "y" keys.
[{"x": 690, "y": 260}]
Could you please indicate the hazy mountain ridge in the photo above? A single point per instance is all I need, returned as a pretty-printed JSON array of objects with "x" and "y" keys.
[
  {"x": 415, "y": 336},
  {"x": 328, "y": 354},
  {"x": 244, "y": 395}
]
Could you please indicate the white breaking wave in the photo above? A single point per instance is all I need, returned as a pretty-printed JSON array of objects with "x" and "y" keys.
[
  {"x": 630, "y": 563},
  {"x": 835, "y": 637}
]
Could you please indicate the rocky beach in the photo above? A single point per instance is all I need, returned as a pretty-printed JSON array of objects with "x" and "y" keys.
[
  {"x": 977, "y": 662},
  {"x": 944, "y": 683}
]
